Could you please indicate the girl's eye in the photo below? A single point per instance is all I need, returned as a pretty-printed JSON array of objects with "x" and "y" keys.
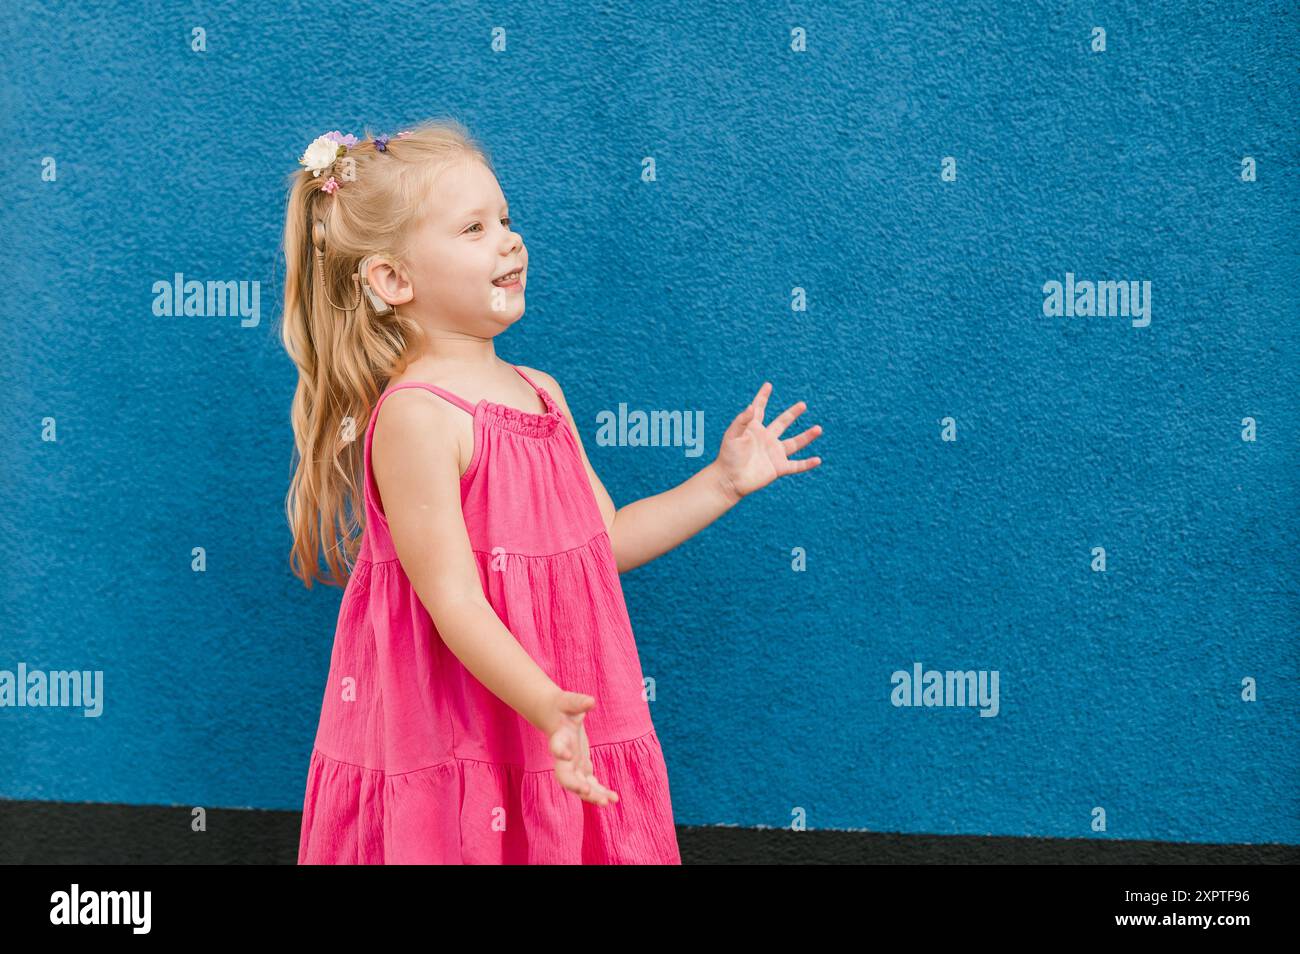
[{"x": 507, "y": 220}]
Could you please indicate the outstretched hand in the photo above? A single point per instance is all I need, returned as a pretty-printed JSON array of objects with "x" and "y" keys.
[
  {"x": 753, "y": 454},
  {"x": 568, "y": 744}
]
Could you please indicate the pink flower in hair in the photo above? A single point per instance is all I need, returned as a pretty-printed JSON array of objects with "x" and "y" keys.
[
  {"x": 349, "y": 140},
  {"x": 331, "y": 185}
]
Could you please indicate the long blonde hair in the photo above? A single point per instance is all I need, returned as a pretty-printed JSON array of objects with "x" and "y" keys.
[{"x": 346, "y": 357}]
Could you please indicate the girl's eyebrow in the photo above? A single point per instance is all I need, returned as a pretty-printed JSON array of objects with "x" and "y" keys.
[{"x": 504, "y": 205}]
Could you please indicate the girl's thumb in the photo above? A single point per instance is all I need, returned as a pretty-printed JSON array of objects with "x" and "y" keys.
[{"x": 575, "y": 702}]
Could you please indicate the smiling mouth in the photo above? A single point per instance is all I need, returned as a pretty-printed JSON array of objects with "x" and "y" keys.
[{"x": 505, "y": 281}]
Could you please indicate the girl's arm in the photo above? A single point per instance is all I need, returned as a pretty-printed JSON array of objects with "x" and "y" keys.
[
  {"x": 416, "y": 463},
  {"x": 650, "y": 527},
  {"x": 752, "y": 455}
]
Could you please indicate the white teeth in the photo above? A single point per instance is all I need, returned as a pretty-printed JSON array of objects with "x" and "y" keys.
[{"x": 506, "y": 279}]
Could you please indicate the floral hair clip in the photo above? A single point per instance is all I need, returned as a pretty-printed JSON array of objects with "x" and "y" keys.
[
  {"x": 382, "y": 140},
  {"x": 327, "y": 149},
  {"x": 324, "y": 150}
]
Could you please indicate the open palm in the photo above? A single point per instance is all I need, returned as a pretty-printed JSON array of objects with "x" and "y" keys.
[
  {"x": 754, "y": 454},
  {"x": 572, "y": 752}
]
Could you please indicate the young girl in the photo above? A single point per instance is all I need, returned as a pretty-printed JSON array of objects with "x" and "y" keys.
[{"x": 485, "y": 702}]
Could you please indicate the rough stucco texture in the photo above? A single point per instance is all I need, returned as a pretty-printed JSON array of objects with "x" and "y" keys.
[{"x": 821, "y": 170}]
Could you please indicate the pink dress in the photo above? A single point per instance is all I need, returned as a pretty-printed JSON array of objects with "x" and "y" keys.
[{"x": 415, "y": 761}]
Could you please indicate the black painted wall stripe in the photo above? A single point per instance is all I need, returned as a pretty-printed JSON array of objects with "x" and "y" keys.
[{"x": 35, "y": 832}]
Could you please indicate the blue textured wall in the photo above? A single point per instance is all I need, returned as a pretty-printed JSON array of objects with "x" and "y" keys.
[{"x": 776, "y": 169}]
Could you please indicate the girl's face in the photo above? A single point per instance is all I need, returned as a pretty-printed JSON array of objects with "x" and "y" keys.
[{"x": 463, "y": 244}]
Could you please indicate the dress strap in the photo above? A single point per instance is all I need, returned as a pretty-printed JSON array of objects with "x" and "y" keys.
[
  {"x": 370, "y": 487},
  {"x": 455, "y": 399},
  {"x": 540, "y": 392}
]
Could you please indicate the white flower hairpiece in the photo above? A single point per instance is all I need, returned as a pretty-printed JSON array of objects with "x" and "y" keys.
[
  {"x": 325, "y": 150},
  {"x": 322, "y": 152}
]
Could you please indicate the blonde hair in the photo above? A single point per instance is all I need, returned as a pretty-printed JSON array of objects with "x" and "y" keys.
[{"x": 346, "y": 357}]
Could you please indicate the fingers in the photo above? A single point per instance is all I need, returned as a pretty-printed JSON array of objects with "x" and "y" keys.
[
  {"x": 787, "y": 417},
  {"x": 598, "y": 794},
  {"x": 590, "y": 790},
  {"x": 584, "y": 785},
  {"x": 799, "y": 466},
  {"x": 737, "y": 426},
  {"x": 760, "y": 400},
  {"x": 758, "y": 407},
  {"x": 792, "y": 444}
]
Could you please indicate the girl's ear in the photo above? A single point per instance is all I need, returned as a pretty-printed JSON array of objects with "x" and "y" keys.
[{"x": 382, "y": 308}]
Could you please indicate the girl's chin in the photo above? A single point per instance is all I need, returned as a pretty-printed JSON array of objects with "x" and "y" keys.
[
  {"x": 506, "y": 300},
  {"x": 511, "y": 310}
]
